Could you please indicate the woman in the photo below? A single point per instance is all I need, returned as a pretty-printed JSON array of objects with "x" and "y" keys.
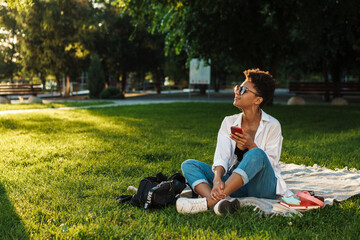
[{"x": 245, "y": 165}]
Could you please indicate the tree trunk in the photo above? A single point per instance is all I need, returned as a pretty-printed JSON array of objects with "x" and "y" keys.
[
  {"x": 202, "y": 89},
  {"x": 336, "y": 77},
  {"x": 159, "y": 76},
  {"x": 12, "y": 53},
  {"x": 117, "y": 79},
  {"x": 217, "y": 79},
  {"x": 273, "y": 72},
  {"x": 273, "y": 67},
  {"x": 43, "y": 80},
  {"x": 123, "y": 81},
  {"x": 326, "y": 79},
  {"x": 67, "y": 86},
  {"x": 142, "y": 80},
  {"x": 58, "y": 84},
  {"x": 107, "y": 80}
]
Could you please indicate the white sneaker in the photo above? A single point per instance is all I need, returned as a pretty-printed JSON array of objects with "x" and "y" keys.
[
  {"x": 191, "y": 205},
  {"x": 227, "y": 206}
]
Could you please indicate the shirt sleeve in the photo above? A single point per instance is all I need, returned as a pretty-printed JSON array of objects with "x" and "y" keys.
[
  {"x": 224, "y": 149},
  {"x": 273, "y": 144}
]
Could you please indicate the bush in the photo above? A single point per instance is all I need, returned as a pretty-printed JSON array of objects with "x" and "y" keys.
[
  {"x": 96, "y": 77},
  {"x": 111, "y": 93}
]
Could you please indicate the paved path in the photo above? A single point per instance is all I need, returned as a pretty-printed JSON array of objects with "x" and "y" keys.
[
  {"x": 114, "y": 104},
  {"x": 281, "y": 97}
]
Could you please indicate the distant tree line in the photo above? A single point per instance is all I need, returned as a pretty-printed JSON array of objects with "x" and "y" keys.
[
  {"x": 59, "y": 37},
  {"x": 288, "y": 38}
]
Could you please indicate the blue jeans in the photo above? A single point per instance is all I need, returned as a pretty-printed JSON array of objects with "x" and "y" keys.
[{"x": 255, "y": 170}]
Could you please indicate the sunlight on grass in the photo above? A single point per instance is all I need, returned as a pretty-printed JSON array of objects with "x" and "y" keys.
[
  {"x": 23, "y": 106},
  {"x": 60, "y": 171}
]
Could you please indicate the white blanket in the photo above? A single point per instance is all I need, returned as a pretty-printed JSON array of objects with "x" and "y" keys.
[{"x": 339, "y": 184}]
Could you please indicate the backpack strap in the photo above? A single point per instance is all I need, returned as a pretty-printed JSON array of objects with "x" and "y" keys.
[
  {"x": 161, "y": 177},
  {"x": 124, "y": 198},
  {"x": 177, "y": 176},
  {"x": 193, "y": 193}
]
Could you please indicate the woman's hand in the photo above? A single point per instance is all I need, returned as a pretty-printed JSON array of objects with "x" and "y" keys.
[
  {"x": 217, "y": 192},
  {"x": 244, "y": 141}
]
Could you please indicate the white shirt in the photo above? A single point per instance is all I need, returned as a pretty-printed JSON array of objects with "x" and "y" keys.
[{"x": 268, "y": 138}]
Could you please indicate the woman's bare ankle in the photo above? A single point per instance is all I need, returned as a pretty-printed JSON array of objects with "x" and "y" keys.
[{"x": 211, "y": 202}]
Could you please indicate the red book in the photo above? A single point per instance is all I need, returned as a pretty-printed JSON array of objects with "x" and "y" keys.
[{"x": 302, "y": 206}]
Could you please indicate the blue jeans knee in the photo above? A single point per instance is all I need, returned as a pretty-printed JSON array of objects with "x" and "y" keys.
[
  {"x": 257, "y": 173},
  {"x": 196, "y": 172}
]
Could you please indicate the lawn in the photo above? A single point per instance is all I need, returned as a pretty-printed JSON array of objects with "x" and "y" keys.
[
  {"x": 61, "y": 171},
  {"x": 23, "y": 106}
]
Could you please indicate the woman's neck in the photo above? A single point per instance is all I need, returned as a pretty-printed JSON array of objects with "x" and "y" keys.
[{"x": 251, "y": 116}]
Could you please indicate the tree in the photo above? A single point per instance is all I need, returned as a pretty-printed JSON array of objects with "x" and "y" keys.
[
  {"x": 174, "y": 67},
  {"x": 307, "y": 36},
  {"x": 57, "y": 41},
  {"x": 9, "y": 45},
  {"x": 241, "y": 33},
  {"x": 109, "y": 36},
  {"x": 292, "y": 37},
  {"x": 53, "y": 32},
  {"x": 331, "y": 33},
  {"x": 150, "y": 55},
  {"x": 122, "y": 47},
  {"x": 96, "y": 77}
]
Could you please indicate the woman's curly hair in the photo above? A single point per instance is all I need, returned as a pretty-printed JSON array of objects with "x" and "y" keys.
[{"x": 264, "y": 83}]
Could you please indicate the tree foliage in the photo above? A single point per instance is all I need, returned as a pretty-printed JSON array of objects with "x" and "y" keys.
[
  {"x": 288, "y": 38},
  {"x": 52, "y": 40},
  {"x": 330, "y": 33},
  {"x": 9, "y": 46},
  {"x": 96, "y": 77},
  {"x": 272, "y": 35},
  {"x": 53, "y": 34}
]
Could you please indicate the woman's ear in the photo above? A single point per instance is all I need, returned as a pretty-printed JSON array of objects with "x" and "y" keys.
[{"x": 259, "y": 100}]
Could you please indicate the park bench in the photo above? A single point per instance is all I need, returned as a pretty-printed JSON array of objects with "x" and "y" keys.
[
  {"x": 326, "y": 89},
  {"x": 20, "y": 89}
]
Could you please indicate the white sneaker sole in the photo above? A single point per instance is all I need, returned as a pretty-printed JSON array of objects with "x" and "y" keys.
[
  {"x": 226, "y": 206},
  {"x": 182, "y": 206}
]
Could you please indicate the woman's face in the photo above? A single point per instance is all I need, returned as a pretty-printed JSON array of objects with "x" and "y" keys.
[{"x": 249, "y": 96}]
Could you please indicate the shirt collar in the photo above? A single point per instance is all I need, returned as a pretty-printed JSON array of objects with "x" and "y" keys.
[{"x": 264, "y": 118}]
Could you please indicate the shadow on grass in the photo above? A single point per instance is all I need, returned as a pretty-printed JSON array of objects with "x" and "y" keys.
[
  {"x": 304, "y": 121},
  {"x": 298, "y": 122},
  {"x": 308, "y": 120},
  {"x": 11, "y": 226},
  {"x": 319, "y": 134},
  {"x": 325, "y": 130}
]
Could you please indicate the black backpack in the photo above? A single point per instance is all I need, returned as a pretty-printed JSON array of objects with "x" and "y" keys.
[{"x": 156, "y": 192}]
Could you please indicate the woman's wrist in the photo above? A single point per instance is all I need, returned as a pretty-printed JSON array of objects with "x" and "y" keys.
[
  {"x": 216, "y": 181},
  {"x": 252, "y": 146}
]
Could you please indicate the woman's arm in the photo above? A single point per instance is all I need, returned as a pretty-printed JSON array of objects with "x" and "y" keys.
[
  {"x": 223, "y": 158},
  {"x": 219, "y": 171},
  {"x": 224, "y": 149},
  {"x": 217, "y": 192}
]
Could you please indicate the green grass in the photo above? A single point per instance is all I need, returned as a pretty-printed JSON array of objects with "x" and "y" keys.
[
  {"x": 60, "y": 171},
  {"x": 23, "y": 106}
]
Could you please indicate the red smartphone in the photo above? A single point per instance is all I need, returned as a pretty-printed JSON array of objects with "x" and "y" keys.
[{"x": 236, "y": 130}]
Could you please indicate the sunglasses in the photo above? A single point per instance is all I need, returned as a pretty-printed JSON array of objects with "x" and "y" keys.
[{"x": 243, "y": 89}]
